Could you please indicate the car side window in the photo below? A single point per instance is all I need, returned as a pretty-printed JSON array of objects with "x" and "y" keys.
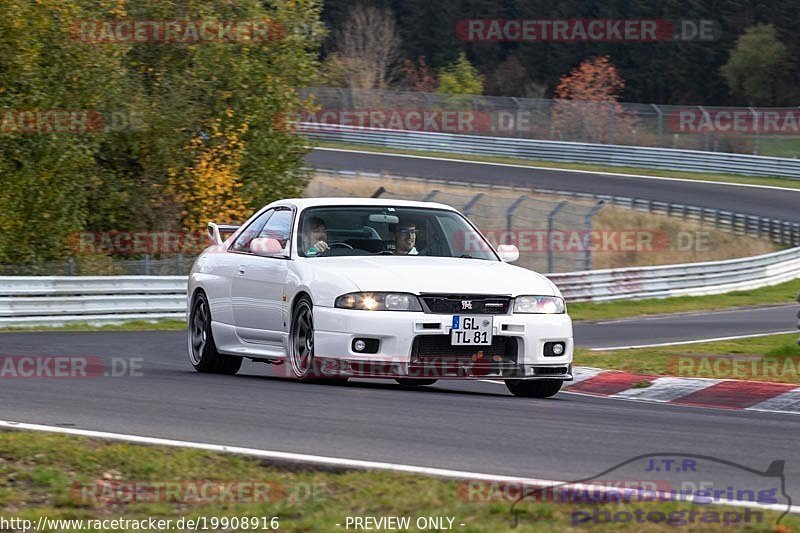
[
  {"x": 242, "y": 242},
  {"x": 279, "y": 227}
]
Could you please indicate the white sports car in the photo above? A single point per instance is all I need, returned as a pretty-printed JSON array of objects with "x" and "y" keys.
[{"x": 349, "y": 287}]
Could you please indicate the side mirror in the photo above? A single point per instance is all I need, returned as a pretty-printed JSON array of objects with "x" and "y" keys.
[
  {"x": 266, "y": 247},
  {"x": 508, "y": 252}
]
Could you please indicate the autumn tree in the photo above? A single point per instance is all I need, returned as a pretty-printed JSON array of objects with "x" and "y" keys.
[
  {"x": 460, "y": 78},
  {"x": 418, "y": 76},
  {"x": 586, "y": 107}
]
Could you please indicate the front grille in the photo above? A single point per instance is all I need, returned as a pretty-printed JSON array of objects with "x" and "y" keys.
[
  {"x": 466, "y": 304},
  {"x": 437, "y": 349}
]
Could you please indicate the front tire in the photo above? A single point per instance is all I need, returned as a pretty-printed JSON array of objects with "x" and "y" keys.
[
  {"x": 535, "y": 388},
  {"x": 301, "y": 340},
  {"x": 203, "y": 352}
]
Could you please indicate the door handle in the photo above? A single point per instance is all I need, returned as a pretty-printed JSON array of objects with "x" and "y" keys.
[{"x": 242, "y": 270}]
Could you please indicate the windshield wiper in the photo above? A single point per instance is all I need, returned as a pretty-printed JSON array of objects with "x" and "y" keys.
[{"x": 467, "y": 256}]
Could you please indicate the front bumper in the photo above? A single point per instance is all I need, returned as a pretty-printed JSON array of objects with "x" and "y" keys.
[{"x": 416, "y": 345}]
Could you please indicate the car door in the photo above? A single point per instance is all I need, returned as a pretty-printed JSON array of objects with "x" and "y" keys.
[{"x": 258, "y": 284}]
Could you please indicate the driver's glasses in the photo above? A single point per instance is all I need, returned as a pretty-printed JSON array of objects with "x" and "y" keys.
[{"x": 407, "y": 231}]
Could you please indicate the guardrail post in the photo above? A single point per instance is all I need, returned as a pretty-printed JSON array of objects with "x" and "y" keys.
[
  {"x": 587, "y": 220},
  {"x": 70, "y": 266},
  {"x": 475, "y": 199},
  {"x": 510, "y": 216},
  {"x": 146, "y": 264},
  {"x": 550, "y": 218}
]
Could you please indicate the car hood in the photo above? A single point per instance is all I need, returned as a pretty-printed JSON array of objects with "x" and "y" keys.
[{"x": 418, "y": 275}]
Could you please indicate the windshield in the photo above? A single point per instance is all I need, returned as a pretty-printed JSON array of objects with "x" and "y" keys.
[{"x": 380, "y": 230}]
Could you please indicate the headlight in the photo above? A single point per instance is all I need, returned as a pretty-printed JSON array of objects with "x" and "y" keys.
[
  {"x": 546, "y": 305},
  {"x": 378, "y": 301}
]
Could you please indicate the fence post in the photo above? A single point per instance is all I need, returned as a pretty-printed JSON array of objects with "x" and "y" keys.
[
  {"x": 475, "y": 199},
  {"x": 587, "y": 244},
  {"x": 550, "y": 218},
  {"x": 70, "y": 267},
  {"x": 510, "y": 216},
  {"x": 146, "y": 264},
  {"x": 430, "y": 195},
  {"x": 757, "y": 142},
  {"x": 660, "y": 124}
]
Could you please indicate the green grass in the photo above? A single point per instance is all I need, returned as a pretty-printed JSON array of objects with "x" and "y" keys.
[
  {"x": 39, "y": 473},
  {"x": 133, "y": 325},
  {"x": 781, "y": 352},
  {"x": 783, "y": 293},
  {"x": 776, "y": 181}
]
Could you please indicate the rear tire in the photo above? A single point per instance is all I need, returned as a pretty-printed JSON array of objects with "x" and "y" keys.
[
  {"x": 409, "y": 382},
  {"x": 535, "y": 388},
  {"x": 203, "y": 352}
]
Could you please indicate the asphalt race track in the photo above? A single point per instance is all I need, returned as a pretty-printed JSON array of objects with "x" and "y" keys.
[
  {"x": 777, "y": 203},
  {"x": 469, "y": 426},
  {"x": 686, "y": 327}
]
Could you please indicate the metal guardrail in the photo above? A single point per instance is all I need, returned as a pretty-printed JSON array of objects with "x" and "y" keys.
[
  {"x": 690, "y": 279},
  {"x": 57, "y": 300},
  {"x": 569, "y": 152},
  {"x": 32, "y": 301},
  {"x": 798, "y": 316}
]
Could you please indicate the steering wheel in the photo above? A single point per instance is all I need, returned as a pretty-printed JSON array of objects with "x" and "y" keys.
[{"x": 341, "y": 244}]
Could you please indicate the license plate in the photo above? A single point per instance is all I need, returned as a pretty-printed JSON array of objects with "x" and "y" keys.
[{"x": 471, "y": 330}]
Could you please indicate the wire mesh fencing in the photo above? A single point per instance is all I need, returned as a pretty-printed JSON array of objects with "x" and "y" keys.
[
  {"x": 746, "y": 130},
  {"x": 552, "y": 236}
]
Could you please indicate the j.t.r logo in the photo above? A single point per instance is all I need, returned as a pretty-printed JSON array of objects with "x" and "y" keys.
[{"x": 466, "y": 304}]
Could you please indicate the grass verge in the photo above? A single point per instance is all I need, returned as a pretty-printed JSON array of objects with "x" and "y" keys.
[
  {"x": 133, "y": 325},
  {"x": 67, "y": 477},
  {"x": 784, "y": 293},
  {"x": 773, "y": 358},
  {"x": 776, "y": 181}
]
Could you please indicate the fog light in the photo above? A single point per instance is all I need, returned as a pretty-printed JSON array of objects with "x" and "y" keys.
[
  {"x": 554, "y": 349},
  {"x": 359, "y": 345}
]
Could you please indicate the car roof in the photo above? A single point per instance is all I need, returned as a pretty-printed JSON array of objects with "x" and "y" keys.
[{"x": 303, "y": 203}]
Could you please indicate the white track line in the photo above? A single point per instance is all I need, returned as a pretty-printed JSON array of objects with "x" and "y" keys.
[
  {"x": 668, "y": 316},
  {"x": 576, "y": 171},
  {"x": 348, "y": 463},
  {"x": 697, "y": 341}
]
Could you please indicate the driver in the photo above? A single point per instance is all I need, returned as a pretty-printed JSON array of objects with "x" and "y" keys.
[
  {"x": 315, "y": 236},
  {"x": 405, "y": 238}
]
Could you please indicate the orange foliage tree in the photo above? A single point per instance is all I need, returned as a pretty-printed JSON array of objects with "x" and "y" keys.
[
  {"x": 210, "y": 188},
  {"x": 587, "y": 107}
]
